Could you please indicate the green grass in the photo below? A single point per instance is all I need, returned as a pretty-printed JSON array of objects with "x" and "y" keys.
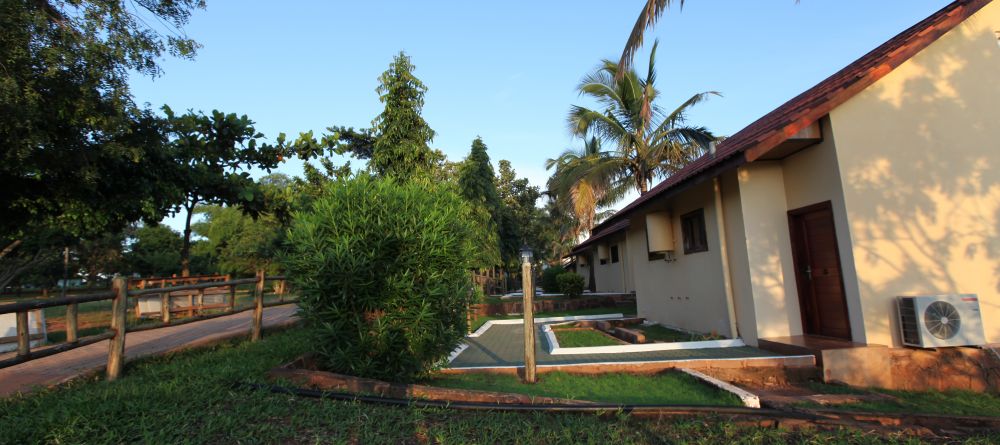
[
  {"x": 958, "y": 403},
  {"x": 672, "y": 388},
  {"x": 627, "y": 310},
  {"x": 189, "y": 398},
  {"x": 583, "y": 338}
]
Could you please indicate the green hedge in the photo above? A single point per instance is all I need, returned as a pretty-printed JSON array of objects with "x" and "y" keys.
[
  {"x": 382, "y": 272},
  {"x": 549, "y": 283},
  {"x": 570, "y": 284}
]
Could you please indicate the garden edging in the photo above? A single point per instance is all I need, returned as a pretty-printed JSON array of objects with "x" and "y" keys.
[{"x": 554, "y": 348}]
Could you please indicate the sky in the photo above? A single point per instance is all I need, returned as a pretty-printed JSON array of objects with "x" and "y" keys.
[{"x": 507, "y": 71}]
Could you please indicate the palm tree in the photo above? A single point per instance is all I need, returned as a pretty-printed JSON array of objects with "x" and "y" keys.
[
  {"x": 584, "y": 180},
  {"x": 651, "y": 12},
  {"x": 649, "y": 143}
]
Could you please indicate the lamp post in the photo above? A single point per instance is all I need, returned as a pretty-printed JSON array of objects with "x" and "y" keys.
[{"x": 529, "y": 316}]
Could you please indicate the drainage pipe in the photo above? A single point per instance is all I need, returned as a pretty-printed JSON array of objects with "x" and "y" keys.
[{"x": 727, "y": 279}]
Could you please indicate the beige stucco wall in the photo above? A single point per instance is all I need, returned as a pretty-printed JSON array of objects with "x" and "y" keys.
[
  {"x": 739, "y": 266},
  {"x": 919, "y": 157},
  {"x": 768, "y": 250},
  {"x": 687, "y": 293},
  {"x": 612, "y": 277},
  {"x": 813, "y": 176}
]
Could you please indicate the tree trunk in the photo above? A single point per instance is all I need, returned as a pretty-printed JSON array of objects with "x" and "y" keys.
[{"x": 186, "y": 247}]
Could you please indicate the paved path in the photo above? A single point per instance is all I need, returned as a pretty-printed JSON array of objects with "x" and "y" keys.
[
  {"x": 503, "y": 345},
  {"x": 62, "y": 367}
]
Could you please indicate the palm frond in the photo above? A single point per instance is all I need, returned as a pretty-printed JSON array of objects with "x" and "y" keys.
[{"x": 649, "y": 15}]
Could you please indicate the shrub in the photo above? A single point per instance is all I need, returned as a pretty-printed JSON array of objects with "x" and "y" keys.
[
  {"x": 570, "y": 284},
  {"x": 382, "y": 271},
  {"x": 549, "y": 283}
]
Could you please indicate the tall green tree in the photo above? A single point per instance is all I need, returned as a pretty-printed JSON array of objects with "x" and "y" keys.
[
  {"x": 648, "y": 142},
  {"x": 402, "y": 136},
  {"x": 476, "y": 180},
  {"x": 77, "y": 154},
  {"x": 518, "y": 216},
  {"x": 213, "y": 157},
  {"x": 477, "y": 185}
]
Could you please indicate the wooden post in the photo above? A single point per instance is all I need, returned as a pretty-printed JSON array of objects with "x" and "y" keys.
[
  {"x": 165, "y": 307},
  {"x": 281, "y": 291},
  {"x": 72, "y": 311},
  {"x": 190, "y": 304},
  {"x": 23, "y": 336},
  {"x": 258, "y": 312},
  {"x": 232, "y": 295},
  {"x": 201, "y": 300},
  {"x": 116, "y": 347},
  {"x": 529, "y": 323}
]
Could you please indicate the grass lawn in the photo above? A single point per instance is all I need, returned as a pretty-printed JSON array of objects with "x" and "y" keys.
[
  {"x": 189, "y": 398},
  {"x": 627, "y": 310},
  {"x": 673, "y": 388},
  {"x": 579, "y": 338},
  {"x": 958, "y": 403}
]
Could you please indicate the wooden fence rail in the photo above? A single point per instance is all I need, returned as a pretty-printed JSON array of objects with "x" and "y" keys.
[{"x": 119, "y": 295}]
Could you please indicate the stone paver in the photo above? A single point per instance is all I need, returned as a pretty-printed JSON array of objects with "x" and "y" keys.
[
  {"x": 503, "y": 345},
  {"x": 65, "y": 366}
]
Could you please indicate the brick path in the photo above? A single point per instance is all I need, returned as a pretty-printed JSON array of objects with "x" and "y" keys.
[
  {"x": 62, "y": 367},
  {"x": 503, "y": 345}
]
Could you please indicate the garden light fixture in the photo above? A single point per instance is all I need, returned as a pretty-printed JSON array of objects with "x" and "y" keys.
[{"x": 526, "y": 254}]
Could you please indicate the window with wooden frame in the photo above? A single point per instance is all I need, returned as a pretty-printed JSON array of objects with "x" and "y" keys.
[
  {"x": 693, "y": 230},
  {"x": 614, "y": 254}
]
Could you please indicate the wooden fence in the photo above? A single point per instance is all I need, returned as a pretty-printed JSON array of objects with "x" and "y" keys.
[{"x": 120, "y": 294}]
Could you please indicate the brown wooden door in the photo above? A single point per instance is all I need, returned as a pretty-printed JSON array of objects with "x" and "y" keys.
[{"x": 817, "y": 272}]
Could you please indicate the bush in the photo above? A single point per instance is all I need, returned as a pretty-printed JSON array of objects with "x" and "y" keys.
[
  {"x": 570, "y": 284},
  {"x": 382, "y": 271},
  {"x": 549, "y": 283}
]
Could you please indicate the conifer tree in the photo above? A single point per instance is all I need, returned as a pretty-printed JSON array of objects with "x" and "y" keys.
[{"x": 402, "y": 136}]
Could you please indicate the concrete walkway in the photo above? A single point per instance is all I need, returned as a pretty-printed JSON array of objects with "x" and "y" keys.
[
  {"x": 63, "y": 367},
  {"x": 502, "y": 345}
]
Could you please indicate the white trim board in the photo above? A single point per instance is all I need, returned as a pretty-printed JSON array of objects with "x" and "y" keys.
[
  {"x": 554, "y": 348},
  {"x": 749, "y": 399},
  {"x": 681, "y": 360},
  {"x": 486, "y": 326}
]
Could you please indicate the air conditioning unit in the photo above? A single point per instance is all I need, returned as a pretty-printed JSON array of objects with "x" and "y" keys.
[{"x": 933, "y": 321}]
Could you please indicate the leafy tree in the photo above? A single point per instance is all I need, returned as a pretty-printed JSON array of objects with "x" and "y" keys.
[
  {"x": 648, "y": 142},
  {"x": 100, "y": 257},
  {"x": 155, "y": 251},
  {"x": 35, "y": 256},
  {"x": 402, "y": 136},
  {"x": 519, "y": 218},
  {"x": 241, "y": 244},
  {"x": 213, "y": 157},
  {"x": 77, "y": 155},
  {"x": 381, "y": 268}
]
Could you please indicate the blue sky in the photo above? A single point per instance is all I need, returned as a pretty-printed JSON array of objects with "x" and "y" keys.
[{"x": 507, "y": 71}]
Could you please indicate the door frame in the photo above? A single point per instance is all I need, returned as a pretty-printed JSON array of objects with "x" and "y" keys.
[{"x": 793, "y": 239}]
